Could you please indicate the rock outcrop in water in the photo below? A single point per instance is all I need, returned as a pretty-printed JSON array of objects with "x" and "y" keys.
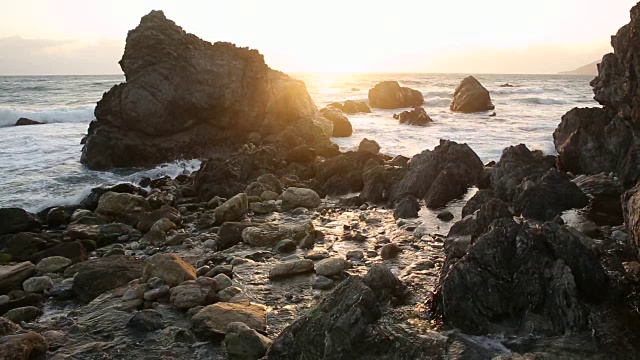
[
  {"x": 594, "y": 140},
  {"x": 417, "y": 116},
  {"x": 389, "y": 95},
  {"x": 471, "y": 96},
  {"x": 185, "y": 97}
]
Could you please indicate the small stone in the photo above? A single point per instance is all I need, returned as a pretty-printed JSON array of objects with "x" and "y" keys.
[
  {"x": 269, "y": 195},
  {"x": 129, "y": 295},
  {"x": 26, "y": 314},
  {"x": 134, "y": 245},
  {"x": 372, "y": 254},
  {"x": 285, "y": 246},
  {"x": 146, "y": 321},
  {"x": 214, "y": 319},
  {"x": 209, "y": 244},
  {"x": 187, "y": 296},
  {"x": 170, "y": 268},
  {"x": 156, "y": 293},
  {"x": 331, "y": 266},
  {"x": 115, "y": 252},
  {"x": 322, "y": 283},
  {"x": 390, "y": 251},
  {"x": 239, "y": 261},
  {"x": 37, "y": 284},
  {"x": 229, "y": 293},
  {"x": 355, "y": 255},
  {"x": 317, "y": 254},
  {"x": 445, "y": 215},
  {"x": 364, "y": 207},
  {"x": 291, "y": 268},
  {"x": 52, "y": 264},
  {"x": 223, "y": 281},
  {"x": 164, "y": 224},
  {"x": 4, "y": 299},
  {"x": 155, "y": 282},
  {"x": 201, "y": 271}
]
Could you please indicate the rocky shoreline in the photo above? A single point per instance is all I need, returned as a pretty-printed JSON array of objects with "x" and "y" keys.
[{"x": 281, "y": 246}]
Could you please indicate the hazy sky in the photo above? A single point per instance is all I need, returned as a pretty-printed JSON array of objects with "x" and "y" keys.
[{"x": 466, "y": 36}]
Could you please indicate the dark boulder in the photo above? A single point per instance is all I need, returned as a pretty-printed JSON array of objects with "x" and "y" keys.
[
  {"x": 417, "y": 116},
  {"x": 406, "y": 207},
  {"x": 22, "y": 246},
  {"x": 471, "y": 96},
  {"x": 520, "y": 277},
  {"x": 230, "y": 234},
  {"x": 91, "y": 201},
  {"x": 301, "y": 154},
  {"x": 15, "y": 220},
  {"x": 367, "y": 145},
  {"x": 354, "y": 107},
  {"x": 476, "y": 202},
  {"x": 516, "y": 164},
  {"x": 605, "y": 193},
  {"x": 548, "y": 197},
  {"x": 72, "y": 250},
  {"x": 185, "y": 98},
  {"x": 344, "y": 174},
  {"x": 25, "y": 121},
  {"x": 377, "y": 181},
  {"x": 341, "y": 125},
  {"x": 389, "y": 95},
  {"x": 96, "y": 277},
  {"x": 439, "y": 175}
]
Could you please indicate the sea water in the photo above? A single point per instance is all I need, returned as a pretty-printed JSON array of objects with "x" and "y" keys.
[{"x": 39, "y": 165}]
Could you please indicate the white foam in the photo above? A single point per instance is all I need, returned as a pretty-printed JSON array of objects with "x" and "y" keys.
[
  {"x": 517, "y": 90},
  {"x": 437, "y": 101},
  {"x": 544, "y": 101},
  {"x": 61, "y": 114}
]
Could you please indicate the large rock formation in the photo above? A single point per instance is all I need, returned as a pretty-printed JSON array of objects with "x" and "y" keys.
[
  {"x": 389, "y": 95},
  {"x": 185, "y": 97},
  {"x": 471, "y": 96},
  {"x": 595, "y": 140}
]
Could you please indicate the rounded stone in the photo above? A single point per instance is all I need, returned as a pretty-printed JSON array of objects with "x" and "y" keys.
[
  {"x": 37, "y": 284},
  {"x": 52, "y": 264}
]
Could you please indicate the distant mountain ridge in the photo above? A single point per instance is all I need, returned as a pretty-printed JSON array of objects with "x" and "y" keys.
[{"x": 589, "y": 69}]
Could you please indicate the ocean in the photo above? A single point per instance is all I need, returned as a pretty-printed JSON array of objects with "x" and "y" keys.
[{"x": 40, "y": 166}]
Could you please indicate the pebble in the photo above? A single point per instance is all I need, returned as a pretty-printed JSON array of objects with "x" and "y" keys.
[
  {"x": 223, "y": 281},
  {"x": 390, "y": 251},
  {"x": 37, "y": 284},
  {"x": 155, "y": 282},
  {"x": 322, "y": 283}
]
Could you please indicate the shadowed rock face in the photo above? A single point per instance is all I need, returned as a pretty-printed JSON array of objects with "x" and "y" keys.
[
  {"x": 594, "y": 140},
  {"x": 185, "y": 97},
  {"x": 471, "y": 96}
]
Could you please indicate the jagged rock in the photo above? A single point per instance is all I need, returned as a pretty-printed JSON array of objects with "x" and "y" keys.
[
  {"x": 520, "y": 272},
  {"x": 389, "y": 95},
  {"x": 516, "y": 164},
  {"x": 476, "y": 202},
  {"x": 418, "y": 116},
  {"x": 25, "y": 121},
  {"x": 214, "y": 319},
  {"x": 270, "y": 234},
  {"x": 439, "y": 175},
  {"x": 95, "y": 277},
  {"x": 548, "y": 197},
  {"x": 185, "y": 97},
  {"x": 15, "y": 220},
  {"x": 12, "y": 276},
  {"x": 631, "y": 210},
  {"x": 242, "y": 342},
  {"x": 377, "y": 182},
  {"x": 170, "y": 268},
  {"x": 295, "y": 197},
  {"x": 22, "y": 346},
  {"x": 341, "y": 125},
  {"x": 344, "y": 173},
  {"x": 122, "y": 207},
  {"x": 367, "y": 145},
  {"x": 471, "y": 96},
  {"x": 343, "y": 325}
]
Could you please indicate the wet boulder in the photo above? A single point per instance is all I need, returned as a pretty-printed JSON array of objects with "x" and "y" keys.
[
  {"x": 22, "y": 246},
  {"x": 95, "y": 277},
  {"x": 389, "y": 95},
  {"x": 471, "y": 96},
  {"x": 168, "y": 267},
  {"x": 418, "y": 116},
  {"x": 548, "y": 197},
  {"x": 344, "y": 173},
  {"x": 406, "y": 207},
  {"x": 516, "y": 164},
  {"x": 186, "y": 98},
  {"x": 122, "y": 207},
  {"x": 439, "y": 175},
  {"x": 20, "y": 346}
]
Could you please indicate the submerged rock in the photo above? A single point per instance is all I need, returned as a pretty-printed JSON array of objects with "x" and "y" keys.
[
  {"x": 471, "y": 96},
  {"x": 417, "y": 116},
  {"x": 185, "y": 97},
  {"x": 389, "y": 95},
  {"x": 26, "y": 121}
]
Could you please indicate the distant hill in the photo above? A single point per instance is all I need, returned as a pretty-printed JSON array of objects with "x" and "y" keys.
[{"x": 589, "y": 69}]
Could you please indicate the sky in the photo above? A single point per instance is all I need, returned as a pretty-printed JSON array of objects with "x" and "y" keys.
[{"x": 444, "y": 36}]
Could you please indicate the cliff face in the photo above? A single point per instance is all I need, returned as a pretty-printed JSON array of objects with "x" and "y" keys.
[
  {"x": 185, "y": 97},
  {"x": 606, "y": 139}
]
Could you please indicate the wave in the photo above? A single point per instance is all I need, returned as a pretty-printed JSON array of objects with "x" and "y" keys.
[
  {"x": 543, "y": 101},
  {"x": 62, "y": 114},
  {"x": 517, "y": 90},
  {"x": 437, "y": 101}
]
